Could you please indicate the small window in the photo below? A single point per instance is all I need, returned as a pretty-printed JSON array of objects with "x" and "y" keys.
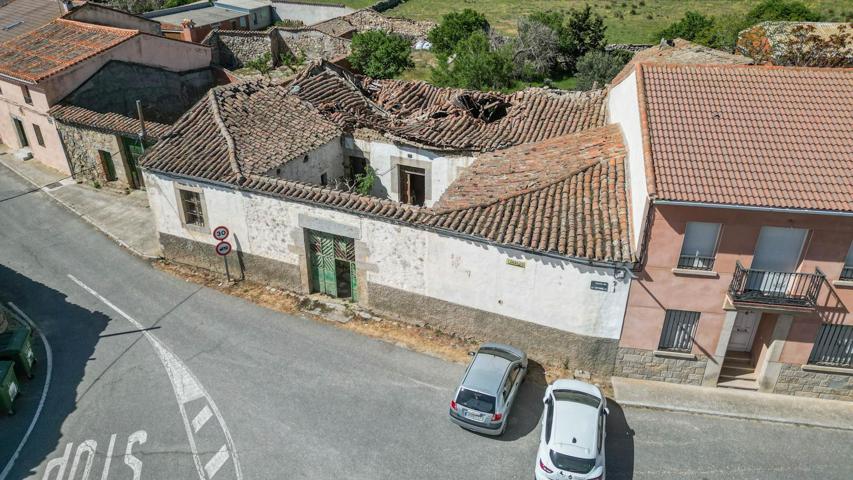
[
  {"x": 679, "y": 328},
  {"x": 700, "y": 246},
  {"x": 39, "y": 138},
  {"x": 255, "y": 18},
  {"x": 847, "y": 271},
  {"x": 26, "y": 92},
  {"x": 324, "y": 179},
  {"x": 412, "y": 185},
  {"x": 192, "y": 207},
  {"x": 833, "y": 346}
]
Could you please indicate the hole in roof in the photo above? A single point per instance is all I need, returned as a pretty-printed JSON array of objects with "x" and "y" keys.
[{"x": 488, "y": 108}]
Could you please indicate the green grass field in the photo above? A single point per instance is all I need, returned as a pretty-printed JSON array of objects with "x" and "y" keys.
[{"x": 635, "y": 21}]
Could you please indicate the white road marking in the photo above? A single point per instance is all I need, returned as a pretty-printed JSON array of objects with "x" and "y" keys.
[
  {"x": 47, "y": 377},
  {"x": 214, "y": 464},
  {"x": 185, "y": 385},
  {"x": 202, "y": 418}
]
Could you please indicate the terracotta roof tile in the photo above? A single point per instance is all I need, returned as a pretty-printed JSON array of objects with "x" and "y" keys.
[
  {"x": 107, "y": 121},
  {"x": 56, "y": 46},
  {"x": 749, "y": 135}
]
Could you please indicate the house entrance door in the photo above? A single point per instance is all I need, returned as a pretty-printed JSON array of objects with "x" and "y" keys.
[
  {"x": 743, "y": 331},
  {"x": 332, "y": 265},
  {"x": 134, "y": 150},
  {"x": 22, "y": 135}
]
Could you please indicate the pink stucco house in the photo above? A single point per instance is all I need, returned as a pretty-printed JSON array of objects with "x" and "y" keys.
[
  {"x": 741, "y": 181},
  {"x": 39, "y": 69}
]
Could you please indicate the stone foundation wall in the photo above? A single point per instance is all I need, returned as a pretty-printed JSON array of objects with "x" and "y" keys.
[
  {"x": 793, "y": 380},
  {"x": 577, "y": 351},
  {"x": 81, "y": 147},
  {"x": 644, "y": 365}
]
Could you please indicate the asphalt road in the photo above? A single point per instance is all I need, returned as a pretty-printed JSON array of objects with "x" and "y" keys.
[{"x": 160, "y": 377}]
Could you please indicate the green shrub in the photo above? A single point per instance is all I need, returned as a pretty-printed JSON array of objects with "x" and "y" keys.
[
  {"x": 475, "y": 65},
  {"x": 455, "y": 27},
  {"x": 379, "y": 54},
  {"x": 598, "y": 67}
]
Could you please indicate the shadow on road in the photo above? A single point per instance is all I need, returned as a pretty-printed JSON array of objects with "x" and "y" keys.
[
  {"x": 619, "y": 448},
  {"x": 73, "y": 333},
  {"x": 527, "y": 409}
]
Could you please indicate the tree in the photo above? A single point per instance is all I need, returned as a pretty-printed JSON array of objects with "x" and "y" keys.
[
  {"x": 598, "y": 67},
  {"x": 537, "y": 50},
  {"x": 263, "y": 64},
  {"x": 474, "y": 64},
  {"x": 692, "y": 26},
  {"x": 379, "y": 54},
  {"x": 455, "y": 27},
  {"x": 580, "y": 32},
  {"x": 776, "y": 10}
]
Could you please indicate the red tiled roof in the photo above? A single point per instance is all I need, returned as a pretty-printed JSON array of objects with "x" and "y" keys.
[
  {"x": 749, "y": 135},
  {"x": 108, "y": 121},
  {"x": 56, "y": 46}
]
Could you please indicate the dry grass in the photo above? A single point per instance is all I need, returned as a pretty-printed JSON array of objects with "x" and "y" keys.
[{"x": 422, "y": 339}]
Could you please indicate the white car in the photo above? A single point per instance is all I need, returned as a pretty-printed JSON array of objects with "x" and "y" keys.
[{"x": 573, "y": 432}]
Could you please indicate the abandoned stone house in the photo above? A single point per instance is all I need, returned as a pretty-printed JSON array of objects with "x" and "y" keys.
[
  {"x": 477, "y": 197},
  {"x": 233, "y": 48}
]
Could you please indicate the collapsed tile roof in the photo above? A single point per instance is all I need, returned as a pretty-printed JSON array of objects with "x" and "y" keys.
[
  {"x": 447, "y": 118},
  {"x": 239, "y": 132},
  {"x": 56, "y": 46},
  {"x": 680, "y": 52},
  {"x": 749, "y": 135}
]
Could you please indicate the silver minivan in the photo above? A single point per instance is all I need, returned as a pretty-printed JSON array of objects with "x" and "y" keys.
[{"x": 486, "y": 393}]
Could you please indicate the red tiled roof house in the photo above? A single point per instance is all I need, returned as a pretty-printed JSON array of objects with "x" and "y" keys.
[{"x": 741, "y": 191}]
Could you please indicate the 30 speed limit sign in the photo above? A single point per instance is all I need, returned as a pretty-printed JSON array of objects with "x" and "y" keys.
[
  {"x": 221, "y": 232},
  {"x": 223, "y": 248}
]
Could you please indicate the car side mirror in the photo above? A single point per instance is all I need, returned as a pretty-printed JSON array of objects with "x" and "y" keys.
[{"x": 471, "y": 354}]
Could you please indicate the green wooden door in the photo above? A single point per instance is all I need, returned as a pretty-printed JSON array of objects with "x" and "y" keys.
[
  {"x": 332, "y": 265},
  {"x": 134, "y": 148}
]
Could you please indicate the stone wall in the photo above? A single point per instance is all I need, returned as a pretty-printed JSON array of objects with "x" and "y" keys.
[
  {"x": 233, "y": 48},
  {"x": 793, "y": 380},
  {"x": 82, "y": 145},
  {"x": 644, "y": 365},
  {"x": 313, "y": 44}
]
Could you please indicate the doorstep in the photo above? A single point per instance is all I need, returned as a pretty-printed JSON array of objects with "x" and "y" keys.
[{"x": 768, "y": 407}]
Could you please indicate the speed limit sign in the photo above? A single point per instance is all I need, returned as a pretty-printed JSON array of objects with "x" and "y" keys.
[
  {"x": 221, "y": 232},
  {"x": 223, "y": 248}
]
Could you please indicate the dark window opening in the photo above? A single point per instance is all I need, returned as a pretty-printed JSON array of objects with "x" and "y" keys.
[
  {"x": 412, "y": 185},
  {"x": 22, "y": 135},
  {"x": 324, "y": 179},
  {"x": 358, "y": 166},
  {"x": 192, "y": 207},
  {"x": 679, "y": 328},
  {"x": 39, "y": 137},
  {"x": 26, "y": 92}
]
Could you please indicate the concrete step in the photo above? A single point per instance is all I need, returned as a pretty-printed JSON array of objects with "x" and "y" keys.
[
  {"x": 726, "y": 375},
  {"x": 738, "y": 367},
  {"x": 740, "y": 361},
  {"x": 739, "y": 384}
]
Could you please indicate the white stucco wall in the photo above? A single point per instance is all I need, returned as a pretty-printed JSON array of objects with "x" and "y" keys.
[
  {"x": 328, "y": 159},
  {"x": 442, "y": 169},
  {"x": 545, "y": 291},
  {"x": 12, "y": 105},
  {"x": 623, "y": 108}
]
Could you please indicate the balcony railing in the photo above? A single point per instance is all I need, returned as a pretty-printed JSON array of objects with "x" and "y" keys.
[
  {"x": 846, "y": 273},
  {"x": 695, "y": 262},
  {"x": 776, "y": 288}
]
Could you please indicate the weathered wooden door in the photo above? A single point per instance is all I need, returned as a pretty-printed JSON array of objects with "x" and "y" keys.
[
  {"x": 135, "y": 149},
  {"x": 332, "y": 265},
  {"x": 107, "y": 165}
]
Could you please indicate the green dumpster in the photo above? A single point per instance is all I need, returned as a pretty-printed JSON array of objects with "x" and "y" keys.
[
  {"x": 8, "y": 386},
  {"x": 17, "y": 346}
]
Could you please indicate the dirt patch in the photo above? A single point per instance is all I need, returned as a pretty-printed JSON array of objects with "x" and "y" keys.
[{"x": 423, "y": 339}]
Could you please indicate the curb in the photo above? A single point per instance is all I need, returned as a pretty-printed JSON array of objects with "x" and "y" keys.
[
  {"x": 738, "y": 416},
  {"x": 80, "y": 214}
]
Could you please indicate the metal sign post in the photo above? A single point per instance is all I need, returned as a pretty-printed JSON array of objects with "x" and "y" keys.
[{"x": 223, "y": 248}]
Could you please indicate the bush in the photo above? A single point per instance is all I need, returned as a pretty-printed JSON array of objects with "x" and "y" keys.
[
  {"x": 475, "y": 65},
  {"x": 379, "y": 54},
  {"x": 536, "y": 51},
  {"x": 262, "y": 64},
  {"x": 598, "y": 67},
  {"x": 691, "y": 26},
  {"x": 792, "y": 11},
  {"x": 578, "y": 32},
  {"x": 455, "y": 27}
]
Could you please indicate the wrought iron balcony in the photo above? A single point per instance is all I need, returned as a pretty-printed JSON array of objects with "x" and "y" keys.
[
  {"x": 784, "y": 289},
  {"x": 695, "y": 262}
]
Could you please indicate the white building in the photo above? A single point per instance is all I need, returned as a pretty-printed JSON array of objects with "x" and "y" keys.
[{"x": 496, "y": 217}]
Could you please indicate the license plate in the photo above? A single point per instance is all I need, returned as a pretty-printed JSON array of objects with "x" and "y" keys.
[{"x": 474, "y": 416}]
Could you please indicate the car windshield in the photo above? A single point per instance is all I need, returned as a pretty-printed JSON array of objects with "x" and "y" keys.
[
  {"x": 476, "y": 400},
  {"x": 577, "y": 397},
  {"x": 572, "y": 464}
]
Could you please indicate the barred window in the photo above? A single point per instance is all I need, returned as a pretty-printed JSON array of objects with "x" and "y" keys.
[
  {"x": 847, "y": 271},
  {"x": 191, "y": 204},
  {"x": 833, "y": 346},
  {"x": 39, "y": 137},
  {"x": 679, "y": 327}
]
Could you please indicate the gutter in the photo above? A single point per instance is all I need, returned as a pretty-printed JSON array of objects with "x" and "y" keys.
[
  {"x": 616, "y": 266},
  {"x": 732, "y": 206}
]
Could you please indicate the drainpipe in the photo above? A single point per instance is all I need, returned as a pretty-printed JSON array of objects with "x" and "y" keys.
[{"x": 142, "y": 133}]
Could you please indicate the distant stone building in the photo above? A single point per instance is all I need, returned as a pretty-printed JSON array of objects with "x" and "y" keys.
[
  {"x": 233, "y": 48},
  {"x": 779, "y": 42}
]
